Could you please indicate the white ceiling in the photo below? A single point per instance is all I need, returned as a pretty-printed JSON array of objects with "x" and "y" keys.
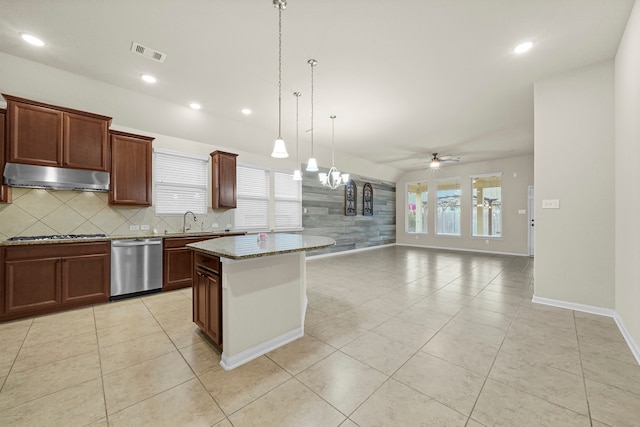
[{"x": 405, "y": 77}]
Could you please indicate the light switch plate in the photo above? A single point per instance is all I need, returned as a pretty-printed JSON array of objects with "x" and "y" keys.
[
  {"x": 144, "y": 227},
  {"x": 551, "y": 204},
  {"x": 522, "y": 211},
  {"x": 134, "y": 227}
]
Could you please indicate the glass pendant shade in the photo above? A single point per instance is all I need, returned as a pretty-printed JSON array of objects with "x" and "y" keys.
[
  {"x": 297, "y": 175},
  {"x": 312, "y": 165},
  {"x": 279, "y": 149}
]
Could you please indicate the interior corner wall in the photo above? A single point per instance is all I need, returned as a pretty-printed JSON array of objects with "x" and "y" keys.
[
  {"x": 574, "y": 163},
  {"x": 627, "y": 176}
]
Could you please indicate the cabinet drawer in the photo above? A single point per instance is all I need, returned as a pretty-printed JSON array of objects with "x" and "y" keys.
[
  {"x": 211, "y": 263},
  {"x": 179, "y": 242}
]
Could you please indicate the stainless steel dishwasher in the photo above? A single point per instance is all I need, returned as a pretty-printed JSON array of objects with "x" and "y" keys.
[{"x": 136, "y": 267}]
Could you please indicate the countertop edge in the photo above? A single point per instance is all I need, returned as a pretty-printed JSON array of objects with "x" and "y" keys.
[
  {"x": 259, "y": 254},
  {"x": 122, "y": 237}
]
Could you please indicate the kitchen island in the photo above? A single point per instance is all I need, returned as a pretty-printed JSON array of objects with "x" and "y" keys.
[{"x": 250, "y": 294}]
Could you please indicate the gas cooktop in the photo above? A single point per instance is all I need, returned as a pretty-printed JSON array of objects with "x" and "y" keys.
[{"x": 57, "y": 237}]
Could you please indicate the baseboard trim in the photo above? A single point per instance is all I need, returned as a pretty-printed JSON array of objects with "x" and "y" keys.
[
  {"x": 340, "y": 253},
  {"x": 229, "y": 362},
  {"x": 462, "y": 250},
  {"x": 635, "y": 350}
]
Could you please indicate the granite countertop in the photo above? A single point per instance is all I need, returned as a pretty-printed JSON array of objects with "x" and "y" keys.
[
  {"x": 243, "y": 247},
  {"x": 149, "y": 235}
]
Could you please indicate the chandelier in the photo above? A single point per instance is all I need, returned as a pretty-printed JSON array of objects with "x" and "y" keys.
[
  {"x": 279, "y": 149},
  {"x": 333, "y": 179}
]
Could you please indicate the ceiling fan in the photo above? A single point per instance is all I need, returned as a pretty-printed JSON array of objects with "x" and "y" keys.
[{"x": 436, "y": 160}]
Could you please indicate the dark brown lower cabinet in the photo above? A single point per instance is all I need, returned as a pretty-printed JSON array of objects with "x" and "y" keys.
[
  {"x": 44, "y": 278},
  {"x": 177, "y": 262},
  {"x": 207, "y": 296}
]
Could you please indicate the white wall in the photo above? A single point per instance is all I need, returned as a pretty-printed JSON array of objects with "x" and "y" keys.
[
  {"x": 574, "y": 140},
  {"x": 514, "y": 194},
  {"x": 627, "y": 176},
  {"x": 154, "y": 116}
]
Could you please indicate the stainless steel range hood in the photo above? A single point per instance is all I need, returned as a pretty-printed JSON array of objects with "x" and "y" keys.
[{"x": 30, "y": 176}]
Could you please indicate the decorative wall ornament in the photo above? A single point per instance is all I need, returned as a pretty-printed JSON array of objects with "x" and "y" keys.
[
  {"x": 350, "y": 197},
  {"x": 367, "y": 199}
]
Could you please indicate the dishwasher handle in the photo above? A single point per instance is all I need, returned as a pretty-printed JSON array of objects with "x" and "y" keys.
[{"x": 135, "y": 242}]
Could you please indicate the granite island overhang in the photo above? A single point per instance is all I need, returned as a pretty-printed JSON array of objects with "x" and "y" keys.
[{"x": 263, "y": 291}]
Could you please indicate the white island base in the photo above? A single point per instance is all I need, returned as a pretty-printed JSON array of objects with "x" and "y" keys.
[{"x": 264, "y": 302}]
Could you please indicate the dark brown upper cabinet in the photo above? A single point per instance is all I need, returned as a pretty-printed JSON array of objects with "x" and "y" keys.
[
  {"x": 130, "y": 169},
  {"x": 5, "y": 190},
  {"x": 49, "y": 135},
  {"x": 223, "y": 180}
]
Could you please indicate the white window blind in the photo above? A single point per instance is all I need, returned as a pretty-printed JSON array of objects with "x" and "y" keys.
[
  {"x": 180, "y": 182},
  {"x": 252, "y": 205},
  {"x": 288, "y": 201}
]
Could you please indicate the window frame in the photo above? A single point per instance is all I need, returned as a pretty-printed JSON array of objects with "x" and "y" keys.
[
  {"x": 436, "y": 208},
  {"x": 425, "y": 223},
  {"x": 473, "y": 208},
  {"x": 200, "y": 187},
  {"x": 276, "y": 198},
  {"x": 239, "y": 197}
]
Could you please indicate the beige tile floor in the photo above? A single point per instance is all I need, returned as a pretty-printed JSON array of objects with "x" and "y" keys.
[{"x": 394, "y": 337}]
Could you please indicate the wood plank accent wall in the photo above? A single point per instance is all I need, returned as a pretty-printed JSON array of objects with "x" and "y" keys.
[{"x": 325, "y": 214}]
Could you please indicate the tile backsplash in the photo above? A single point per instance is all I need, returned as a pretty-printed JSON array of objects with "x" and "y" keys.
[{"x": 37, "y": 212}]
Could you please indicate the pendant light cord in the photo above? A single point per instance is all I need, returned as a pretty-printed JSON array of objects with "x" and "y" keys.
[
  {"x": 297, "y": 95},
  {"x": 313, "y": 63},
  {"x": 333, "y": 140},
  {"x": 280, "y": 71}
]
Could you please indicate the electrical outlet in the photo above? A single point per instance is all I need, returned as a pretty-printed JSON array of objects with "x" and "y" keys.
[
  {"x": 214, "y": 225},
  {"x": 144, "y": 227},
  {"x": 134, "y": 228},
  {"x": 229, "y": 226},
  {"x": 486, "y": 242}
]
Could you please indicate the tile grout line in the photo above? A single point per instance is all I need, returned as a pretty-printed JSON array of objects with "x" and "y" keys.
[
  {"x": 104, "y": 392},
  {"x": 186, "y": 362},
  {"x": 584, "y": 378}
]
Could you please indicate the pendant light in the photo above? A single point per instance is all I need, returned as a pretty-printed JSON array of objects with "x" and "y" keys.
[
  {"x": 297, "y": 174},
  {"x": 333, "y": 179},
  {"x": 279, "y": 149},
  {"x": 312, "y": 165}
]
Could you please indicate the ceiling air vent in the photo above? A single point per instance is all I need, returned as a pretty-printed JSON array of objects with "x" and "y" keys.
[{"x": 147, "y": 52}]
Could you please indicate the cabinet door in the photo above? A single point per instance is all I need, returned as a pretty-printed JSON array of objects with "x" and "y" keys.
[
  {"x": 34, "y": 134},
  {"x": 213, "y": 324},
  {"x": 86, "y": 142},
  {"x": 223, "y": 176},
  {"x": 86, "y": 278},
  {"x": 178, "y": 268},
  {"x": 32, "y": 284},
  {"x": 5, "y": 191},
  {"x": 200, "y": 285},
  {"x": 130, "y": 169}
]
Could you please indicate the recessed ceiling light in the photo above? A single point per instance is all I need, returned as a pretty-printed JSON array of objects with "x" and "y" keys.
[
  {"x": 195, "y": 106},
  {"x": 523, "y": 47},
  {"x": 246, "y": 111},
  {"x": 148, "y": 78},
  {"x": 31, "y": 39}
]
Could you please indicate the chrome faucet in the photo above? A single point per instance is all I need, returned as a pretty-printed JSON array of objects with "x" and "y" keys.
[{"x": 184, "y": 220}]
